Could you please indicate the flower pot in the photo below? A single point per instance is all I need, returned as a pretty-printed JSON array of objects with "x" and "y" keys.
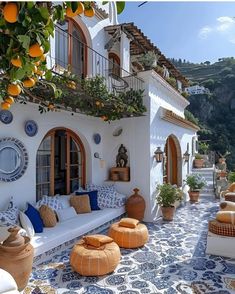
[
  {"x": 222, "y": 174},
  {"x": 135, "y": 206},
  {"x": 168, "y": 213},
  {"x": 16, "y": 257},
  {"x": 198, "y": 163},
  {"x": 222, "y": 160},
  {"x": 194, "y": 196}
]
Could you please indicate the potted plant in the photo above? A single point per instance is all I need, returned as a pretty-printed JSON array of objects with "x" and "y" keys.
[
  {"x": 166, "y": 198},
  {"x": 198, "y": 161},
  {"x": 195, "y": 182},
  {"x": 203, "y": 147},
  {"x": 231, "y": 177},
  {"x": 148, "y": 60}
]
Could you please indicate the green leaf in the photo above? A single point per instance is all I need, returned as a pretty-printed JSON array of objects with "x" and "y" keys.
[
  {"x": 74, "y": 6},
  {"x": 19, "y": 74},
  {"x": 30, "y": 4},
  {"x": 120, "y": 6},
  {"x": 46, "y": 46},
  {"x": 25, "y": 41},
  {"x": 48, "y": 75},
  {"x": 44, "y": 12}
]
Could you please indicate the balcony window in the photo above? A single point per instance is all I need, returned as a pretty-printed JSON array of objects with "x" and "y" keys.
[{"x": 70, "y": 48}]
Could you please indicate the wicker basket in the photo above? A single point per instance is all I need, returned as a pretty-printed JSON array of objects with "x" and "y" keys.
[
  {"x": 229, "y": 197},
  {"x": 221, "y": 228}
]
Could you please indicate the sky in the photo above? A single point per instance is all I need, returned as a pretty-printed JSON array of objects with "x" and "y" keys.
[{"x": 195, "y": 31}]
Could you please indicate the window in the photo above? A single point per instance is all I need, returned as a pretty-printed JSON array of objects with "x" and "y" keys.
[
  {"x": 114, "y": 64},
  {"x": 71, "y": 48},
  {"x": 60, "y": 165}
]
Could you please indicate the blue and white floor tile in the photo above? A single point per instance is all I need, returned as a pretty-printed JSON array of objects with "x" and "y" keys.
[{"x": 173, "y": 261}]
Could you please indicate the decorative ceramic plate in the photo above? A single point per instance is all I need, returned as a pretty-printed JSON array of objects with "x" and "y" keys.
[
  {"x": 13, "y": 159},
  {"x": 117, "y": 132},
  {"x": 6, "y": 116},
  {"x": 97, "y": 138},
  {"x": 31, "y": 128}
]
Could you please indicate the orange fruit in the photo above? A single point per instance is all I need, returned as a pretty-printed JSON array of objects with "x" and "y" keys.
[
  {"x": 89, "y": 12},
  {"x": 43, "y": 57},
  {"x": 80, "y": 8},
  {"x": 35, "y": 68},
  {"x": 70, "y": 13},
  {"x": 40, "y": 72},
  {"x": 104, "y": 117},
  {"x": 16, "y": 62},
  {"x": 37, "y": 63},
  {"x": 13, "y": 89},
  {"x": 10, "y": 12},
  {"x": 5, "y": 105},
  {"x": 51, "y": 106},
  {"x": 35, "y": 50},
  {"x": 97, "y": 103},
  {"x": 9, "y": 100},
  {"x": 28, "y": 83}
]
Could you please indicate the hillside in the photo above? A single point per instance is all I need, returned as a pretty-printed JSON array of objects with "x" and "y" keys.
[{"x": 216, "y": 112}]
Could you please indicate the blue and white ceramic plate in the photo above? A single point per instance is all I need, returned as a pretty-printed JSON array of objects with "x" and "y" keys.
[
  {"x": 6, "y": 116},
  {"x": 31, "y": 128},
  {"x": 97, "y": 138}
]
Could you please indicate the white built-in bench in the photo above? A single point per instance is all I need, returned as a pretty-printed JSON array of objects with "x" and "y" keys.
[{"x": 73, "y": 228}]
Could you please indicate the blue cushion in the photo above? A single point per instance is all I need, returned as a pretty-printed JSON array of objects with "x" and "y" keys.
[
  {"x": 35, "y": 218},
  {"x": 93, "y": 197}
]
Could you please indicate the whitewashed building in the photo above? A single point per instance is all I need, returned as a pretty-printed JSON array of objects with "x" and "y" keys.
[
  {"x": 197, "y": 90},
  {"x": 94, "y": 46}
]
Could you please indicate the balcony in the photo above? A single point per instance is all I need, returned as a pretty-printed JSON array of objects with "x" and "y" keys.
[{"x": 70, "y": 53}]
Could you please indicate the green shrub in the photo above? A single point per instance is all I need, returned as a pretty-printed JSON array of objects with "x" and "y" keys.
[
  {"x": 198, "y": 156},
  {"x": 195, "y": 182},
  {"x": 231, "y": 177},
  {"x": 168, "y": 195}
]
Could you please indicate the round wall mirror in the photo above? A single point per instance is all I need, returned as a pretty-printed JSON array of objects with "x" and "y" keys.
[{"x": 13, "y": 159}]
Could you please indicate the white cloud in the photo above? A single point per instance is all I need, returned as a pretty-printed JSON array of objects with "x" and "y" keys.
[
  {"x": 225, "y": 23},
  {"x": 204, "y": 32},
  {"x": 225, "y": 26}
]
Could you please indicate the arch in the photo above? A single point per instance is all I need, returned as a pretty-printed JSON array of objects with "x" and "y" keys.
[
  {"x": 114, "y": 63},
  {"x": 60, "y": 163},
  {"x": 173, "y": 161}
]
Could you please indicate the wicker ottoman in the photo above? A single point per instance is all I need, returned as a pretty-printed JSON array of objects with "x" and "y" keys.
[
  {"x": 222, "y": 229},
  {"x": 89, "y": 260},
  {"x": 129, "y": 237},
  {"x": 229, "y": 196}
]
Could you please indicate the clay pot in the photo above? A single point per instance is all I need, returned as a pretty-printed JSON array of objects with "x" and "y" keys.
[
  {"x": 222, "y": 160},
  {"x": 194, "y": 196},
  {"x": 135, "y": 206},
  {"x": 168, "y": 213},
  {"x": 16, "y": 257},
  {"x": 198, "y": 163},
  {"x": 222, "y": 174}
]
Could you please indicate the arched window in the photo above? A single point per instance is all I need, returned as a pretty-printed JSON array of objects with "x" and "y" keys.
[
  {"x": 71, "y": 47},
  {"x": 60, "y": 166},
  {"x": 114, "y": 64}
]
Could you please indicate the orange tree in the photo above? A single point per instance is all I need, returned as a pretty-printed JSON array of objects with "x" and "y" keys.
[{"x": 25, "y": 31}]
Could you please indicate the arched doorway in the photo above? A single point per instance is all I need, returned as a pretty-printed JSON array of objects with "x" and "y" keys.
[
  {"x": 60, "y": 163},
  {"x": 172, "y": 172}
]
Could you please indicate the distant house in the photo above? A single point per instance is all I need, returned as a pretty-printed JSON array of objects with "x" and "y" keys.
[
  {"x": 67, "y": 151},
  {"x": 196, "y": 90}
]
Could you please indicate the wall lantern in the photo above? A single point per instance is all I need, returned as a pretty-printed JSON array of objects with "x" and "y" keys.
[
  {"x": 186, "y": 156},
  {"x": 158, "y": 154}
]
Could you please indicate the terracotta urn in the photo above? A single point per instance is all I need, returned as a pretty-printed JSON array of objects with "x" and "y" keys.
[
  {"x": 168, "y": 213},
  {"x": 135, "y": 206},
  {"x": 194, "y": 196},
  {"x": 16, "y": 257}
]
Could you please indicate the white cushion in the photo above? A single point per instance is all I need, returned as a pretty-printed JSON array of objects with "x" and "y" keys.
[
  {"x": 66, "y": 213},
  {"x": 26, "y": 224},
  {"x": 8, "y": 284},
  {"x": 63, "y": 201},
  {"x": 51, "y": 201}
]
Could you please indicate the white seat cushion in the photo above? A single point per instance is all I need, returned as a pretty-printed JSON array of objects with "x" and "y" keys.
[{"x": 7, "y": 284}]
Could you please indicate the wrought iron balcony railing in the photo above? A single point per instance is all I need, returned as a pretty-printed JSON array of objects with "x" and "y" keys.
[{"x": 67, "y": 51}]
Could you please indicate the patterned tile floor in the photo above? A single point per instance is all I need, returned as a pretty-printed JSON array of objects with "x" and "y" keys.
[{"x": 173, "y": 261}]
